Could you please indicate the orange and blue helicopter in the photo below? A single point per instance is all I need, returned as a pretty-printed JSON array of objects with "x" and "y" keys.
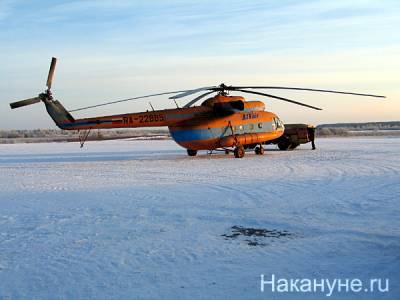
[{"x": 222, "y": 122}]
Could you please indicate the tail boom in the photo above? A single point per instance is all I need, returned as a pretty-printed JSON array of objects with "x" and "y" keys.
[{"x": 156, "y": 118}]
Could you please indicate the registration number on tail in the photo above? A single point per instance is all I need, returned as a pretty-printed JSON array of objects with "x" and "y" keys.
[
  {"x": 151, "y": 118},
  {"x": 148, "y": 118}
]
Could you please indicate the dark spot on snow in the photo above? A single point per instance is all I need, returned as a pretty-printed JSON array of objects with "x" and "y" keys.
[
  {"x": 254, "y": 243},
  {"x": 257, "y": 236}
]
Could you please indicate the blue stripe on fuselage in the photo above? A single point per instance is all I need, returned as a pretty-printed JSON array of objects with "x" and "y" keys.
[
  {"x": 188, "y": 135},
  {"x": 195, "y": 134}
]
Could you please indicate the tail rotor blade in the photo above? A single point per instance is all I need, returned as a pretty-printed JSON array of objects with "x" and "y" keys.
[
  {"x": 24, "y": 102},
  {"x": 51, "y": 72}
]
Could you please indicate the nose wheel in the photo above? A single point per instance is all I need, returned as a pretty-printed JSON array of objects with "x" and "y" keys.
[
  {"x": 259, "y": 150},
  {"x": 191, "y": 152}
]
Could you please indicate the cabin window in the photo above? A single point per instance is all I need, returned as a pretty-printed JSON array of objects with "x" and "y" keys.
[
  {"x": 240, "y": 127},
  {"x": 260, "y": 125},
  {"x": 251, "y": 126}
]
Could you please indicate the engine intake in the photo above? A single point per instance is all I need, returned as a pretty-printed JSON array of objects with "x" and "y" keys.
[{"x": 228, "y": 107}]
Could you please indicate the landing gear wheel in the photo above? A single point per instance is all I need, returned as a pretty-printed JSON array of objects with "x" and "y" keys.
[
  {"x": 259, "y": 150},
  {"x": 191, "y": 152},
  {"x": 226, "y": 151},
  {"x": 283, "y": 145},
  {"x": 239, "y": 151}
]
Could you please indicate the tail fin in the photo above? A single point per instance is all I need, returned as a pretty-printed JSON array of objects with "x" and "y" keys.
[{"x": 59, "y": 114}]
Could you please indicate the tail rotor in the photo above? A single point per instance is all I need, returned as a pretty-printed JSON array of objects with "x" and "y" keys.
[{"x": 43, "y": 96}]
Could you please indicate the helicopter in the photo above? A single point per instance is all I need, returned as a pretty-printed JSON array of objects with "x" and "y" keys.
[{"x": 222, "y": 122}]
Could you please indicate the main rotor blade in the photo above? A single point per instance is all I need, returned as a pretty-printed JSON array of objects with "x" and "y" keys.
[
  {"x": 24, "y": 102},
  {"x": 190, "y": 92},
  {"x": 304, "y": 89},
  {"x": 51, "y": 72},
  {"x": 128, "y": 99},
  {"x": 280, "y": 98},
  {"x": 189, "y": 104}
]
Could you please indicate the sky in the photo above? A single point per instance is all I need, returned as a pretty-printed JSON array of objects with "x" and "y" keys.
[{"x": 110, "y": 50}]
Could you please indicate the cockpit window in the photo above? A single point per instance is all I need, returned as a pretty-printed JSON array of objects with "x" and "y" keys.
[{"x": 278, "y": 123}]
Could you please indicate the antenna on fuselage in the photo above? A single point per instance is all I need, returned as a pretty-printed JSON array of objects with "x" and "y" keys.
[{"x": 151, "y": 106}]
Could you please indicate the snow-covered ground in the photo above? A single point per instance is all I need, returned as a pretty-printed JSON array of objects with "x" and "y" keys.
[{"x": 141, "y": 220}]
